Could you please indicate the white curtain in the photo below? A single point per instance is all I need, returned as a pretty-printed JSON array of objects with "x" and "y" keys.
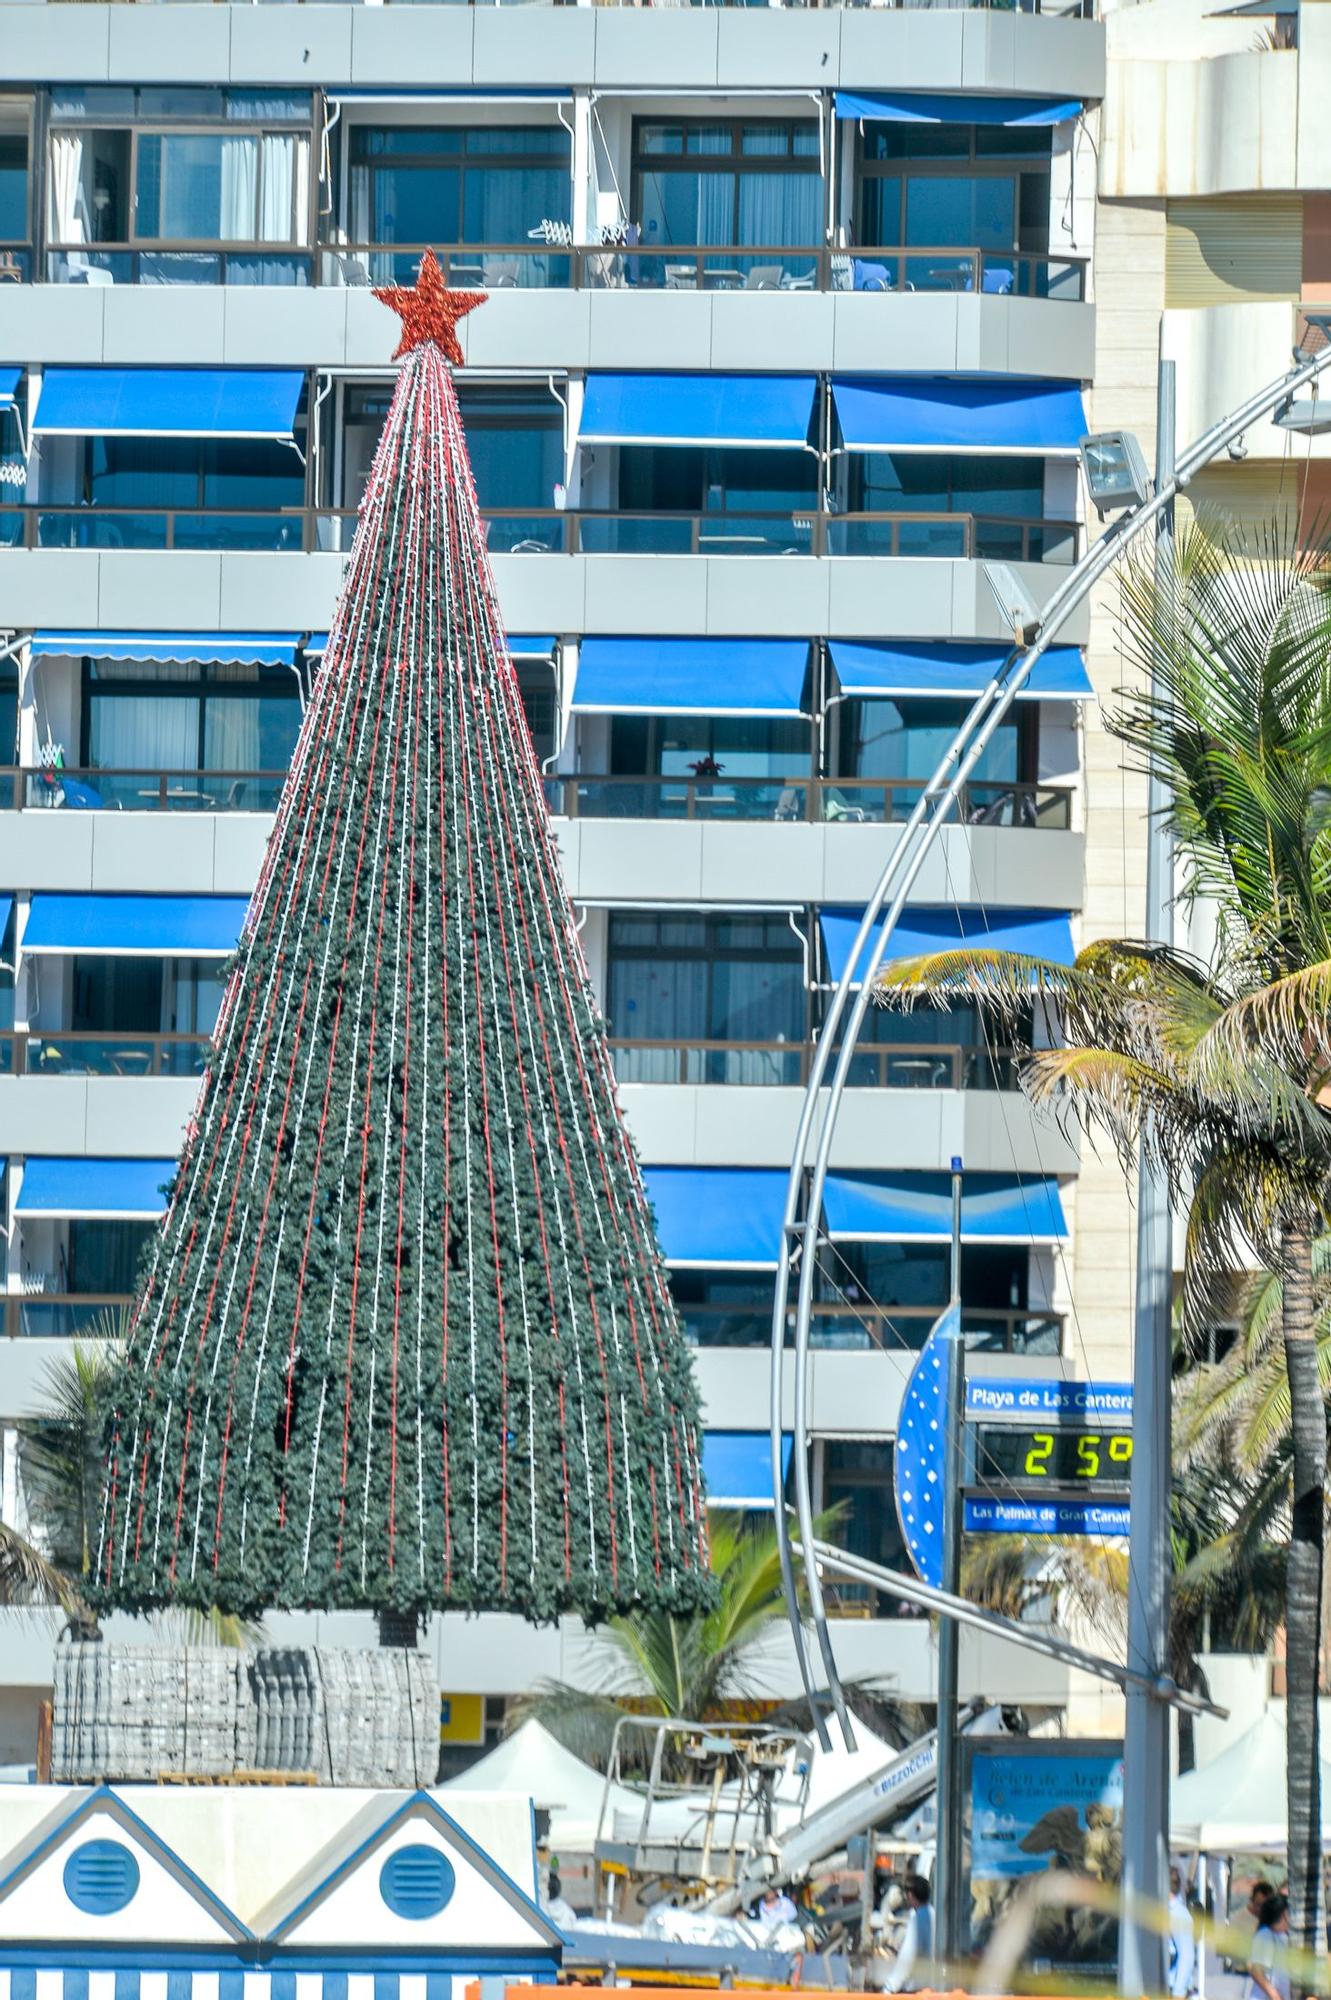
[
  {"x": 240, "y": 174},
  {"x": 231, "y": 735},
  {"x": 68, "y": 206},
  {"x": 286, "y": 187},
  {"x": 144, "y": 732}
]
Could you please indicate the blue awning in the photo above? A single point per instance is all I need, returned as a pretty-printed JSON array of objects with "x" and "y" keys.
[
  {"x": 126, "y": 1190},
  {"x": 697, "y": 409},
  {"x": 9, "y": 378},
  {"x": 691, "y": 676},
  {"x": 737, "y": 1467},
  {"x": 169, "y": 402},
  {"x": 172, "y": 649},
  {"x": 1037, "y": 933},
  {"x": 922, "y": 107},
  {"x": 718, "y": 1215},
  {"x": 916, "y": 413},
  {"x": 917, "y": 1208},
  {"x": 905, "y": 667},
  {"x": 6, "y": 905},
  {"x": 136, "y": 926}
]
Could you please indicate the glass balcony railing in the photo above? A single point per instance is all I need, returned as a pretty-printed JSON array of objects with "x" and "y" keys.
[
  {"x": 79, "y": 1052},
  {"x": 53, "y": 1315},
  {"x": 182, "y": 264},
  {"x": 849, "y": 801},
  {"x": 499, "y": 267},
  {"x": 91, "y": 789},
  {"x": 863, "y": 1328},
  {"x": 904, "y": 1066},
  {"x": 558, "y": 531}
]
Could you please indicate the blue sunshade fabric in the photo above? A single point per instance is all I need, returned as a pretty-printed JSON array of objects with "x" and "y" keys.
[
  {"x": 917, "y": 1208},
  {"x": 697, "y": 409},
  {"x": 6, "y": 905},
  {"x": 172, "y": 649},
  {"x": 718, "y": 1215},
  {"x": 737, "y": 1467},
  {"x": 923, "y": 107},
  {"x": 169, "y": 402},
  {"x": 691, "y": 677},
  {"x": 903, "y": 667},
  {"x": 8, "y": 385},
  {"x": 129, "y": 1190},
  {"x": 908, "y": 413},
  {"x": 136, "y": 926},
  {"x": 1037, "y": 933}
]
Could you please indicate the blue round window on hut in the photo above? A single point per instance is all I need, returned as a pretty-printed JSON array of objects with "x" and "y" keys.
[
  {"x": 416, "y": 1882},
  {"x": 101, "y": 1877}
]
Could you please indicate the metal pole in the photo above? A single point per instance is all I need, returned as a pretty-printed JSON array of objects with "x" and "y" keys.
[
  {"x": 947, "y": 1854},
  {"x": 1141, "y": 1956}
]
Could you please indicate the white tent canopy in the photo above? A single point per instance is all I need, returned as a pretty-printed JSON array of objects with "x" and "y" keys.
[
  {"x": 1236, "y": 1803},
  {"x": 532, "y": 1763}
]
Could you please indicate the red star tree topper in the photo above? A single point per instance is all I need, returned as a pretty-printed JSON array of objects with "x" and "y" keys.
[{"x": 429, "y": 311}]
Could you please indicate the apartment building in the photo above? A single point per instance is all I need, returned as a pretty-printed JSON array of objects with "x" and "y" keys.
[{"x": 791, "y": 318}]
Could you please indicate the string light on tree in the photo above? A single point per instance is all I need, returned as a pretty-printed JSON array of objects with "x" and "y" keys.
[{"x": 404, "y": 1339}]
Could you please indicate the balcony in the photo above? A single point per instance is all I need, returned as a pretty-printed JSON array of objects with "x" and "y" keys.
[
  {"x": 879, "y": 1329},
  {"x": 501, "y": 267},
  {"x": 93, "y": 789},
  {"x": 79, "y": 1052}
]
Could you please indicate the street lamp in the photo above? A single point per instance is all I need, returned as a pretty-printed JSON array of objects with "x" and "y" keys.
[{"x": 1115, "y": 471}]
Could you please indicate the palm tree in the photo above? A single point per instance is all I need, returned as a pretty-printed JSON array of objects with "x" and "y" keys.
[
  {"x": 685, "y": 1668},
  {"x": 1221, "y": 1071}
]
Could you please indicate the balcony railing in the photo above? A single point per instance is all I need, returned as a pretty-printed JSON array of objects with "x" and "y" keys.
[
  {"x": 845, "y": 801},
  {"x": 201, "y": 263},
  {"x": 90, "y": 789},
  {"x": 904, "y": 1066},
  {"x": 559, "y": 531},
  {"x": 705, "y": 268},
  {"x": 60, "y": 1315},
  {"x": 81, "y": 1052},
  {"x": 894, "y": 1329},
  {"x": 863, "y": 1328}
]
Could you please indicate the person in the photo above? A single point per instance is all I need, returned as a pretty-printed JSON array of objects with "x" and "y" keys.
[
  {"x": 1268, "y": 1980},
  {"x": 558, "y": 1910},
  {"x": 1182, "y": 1941},
  {"x": 911, "y": 1969},
  {"x": 776, "y": 1908}
]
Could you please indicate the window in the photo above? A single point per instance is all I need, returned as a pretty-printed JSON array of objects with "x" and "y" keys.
[
  {"x": 15, "y": 142},
  {"x": 913, "y": 1279},
  {"x": 749, "y": 186},
  {"x": 900, "y": 738},
  {"x": 202, "y": 493},
  {"x": 8, "y": 714},
  {"x": 184, "y": 167},
  {"x": 858, "y": 1478},
  {"x": 739, "y": 746},
  {"x": 716, "y": 479},
  {"x": 230, "y": 718},
  {"x": 104, "y": 1256},
  {"x": 515, "y": 437},
  {"x": 145, "y": 996},
  {"x": 923, "y": 483},
  {"x": 724, "y": 1308},
  {"x": 689, "y": 979},
  {"x": 449, "y": 184},
  {"x": 954, "y": 186}
]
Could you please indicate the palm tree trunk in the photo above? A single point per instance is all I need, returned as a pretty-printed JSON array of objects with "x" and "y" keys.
[{"x": 1303, "y": 1592}]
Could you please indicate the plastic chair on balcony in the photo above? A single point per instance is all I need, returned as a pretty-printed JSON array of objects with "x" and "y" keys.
[
  {"x": 764, "y": 278},
  {"x": 501, "y": 274},
  {"x": 681, "y": 278},
  {"x": 789, "y": 803},
  {"x": 867, "y": 277}
]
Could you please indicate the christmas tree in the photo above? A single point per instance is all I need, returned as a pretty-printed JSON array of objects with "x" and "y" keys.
[{"x": 404, "y": 1339}]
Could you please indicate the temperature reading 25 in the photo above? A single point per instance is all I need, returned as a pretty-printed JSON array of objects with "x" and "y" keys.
[{"x": 1009, "y": 1454}]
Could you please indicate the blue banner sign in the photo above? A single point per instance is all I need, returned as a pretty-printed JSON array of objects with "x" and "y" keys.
[
  {"x": 1044, "y": 1517},
  {"x": 1015, "y": 1396}
]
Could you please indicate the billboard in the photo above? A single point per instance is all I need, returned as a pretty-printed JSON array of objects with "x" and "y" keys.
[{"x": 1039, "y": 1807}]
